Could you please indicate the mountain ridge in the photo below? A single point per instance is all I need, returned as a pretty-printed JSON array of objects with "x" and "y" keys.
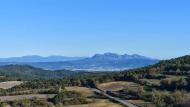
[
  {"x": 98, "y": 62},
  {"x": 38, "y": 58},
  {"x": 122, "y": 56}
]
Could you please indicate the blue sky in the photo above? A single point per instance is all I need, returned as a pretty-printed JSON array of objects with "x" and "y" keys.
[{"x": 155, "y": 28}]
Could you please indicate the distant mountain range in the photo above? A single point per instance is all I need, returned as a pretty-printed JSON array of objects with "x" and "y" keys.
[
  {"x": 172, "y": 66},
  {"x": 36, "y": 58},
  {"x": 98, "y": 62}
]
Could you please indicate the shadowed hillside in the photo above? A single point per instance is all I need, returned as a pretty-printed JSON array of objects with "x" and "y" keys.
[{"x": 29, "y": 72}]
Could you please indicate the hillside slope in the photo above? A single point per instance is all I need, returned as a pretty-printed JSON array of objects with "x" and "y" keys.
[{"x": 29, "y": 72}]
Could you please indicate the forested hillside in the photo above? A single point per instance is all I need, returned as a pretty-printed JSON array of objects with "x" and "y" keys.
[{"x": 29, "y": 72}]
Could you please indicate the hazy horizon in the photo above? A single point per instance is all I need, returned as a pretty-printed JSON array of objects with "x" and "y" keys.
[
  {"x": 156, "y": 29},
  {"x": 91, "y": 55},
  {"x": 30, "y": 55}
]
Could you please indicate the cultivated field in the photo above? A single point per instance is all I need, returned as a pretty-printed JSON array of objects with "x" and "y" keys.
[
  {"x": 116, "y": 86},
  {"x": 83, "y": 90},
  {"x": 9, "y": 84},
  {"x": 96, "y": 102},
  {"x": 175, "y": 77},
  {"x": 142, "y": 103},
  {"x": 152, "y": 81},
  {"x": 22, "y": 97}
]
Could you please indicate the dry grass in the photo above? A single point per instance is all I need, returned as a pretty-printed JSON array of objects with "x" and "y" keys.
[
  {"x": 83, "y": 90},
  {"x": 9, "y": 84},
  {"x": 22, "y": 97},
  {"x": 175, "y": 77},
  {"x": 98, "y": 103},
  {"x": 95, "y": 101},
  {"x": 142, "y": 103},
  {"x": 119, "y": 85},
  {"x": 152, "y": 81}
]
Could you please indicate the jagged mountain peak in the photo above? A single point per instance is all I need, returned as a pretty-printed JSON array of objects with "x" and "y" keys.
[{"x": 118, "y": 56}]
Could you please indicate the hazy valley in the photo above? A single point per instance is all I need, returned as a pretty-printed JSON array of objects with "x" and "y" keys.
[{"x": 98, "y": 62}]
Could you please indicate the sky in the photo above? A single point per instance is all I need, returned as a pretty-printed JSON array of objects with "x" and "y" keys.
[{"x": 154, "y": 28}]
